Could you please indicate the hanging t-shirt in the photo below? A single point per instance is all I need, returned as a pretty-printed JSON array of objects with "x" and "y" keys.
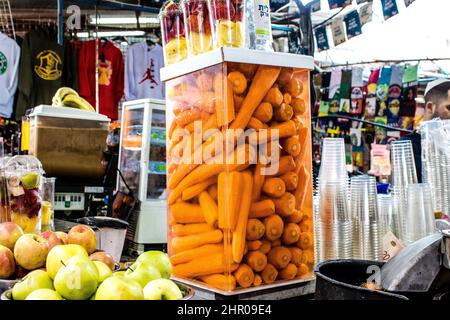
[
  {"x": 9, "y": 75},
  {"x": 45, "y": 66},
  {"x": 110, "y": 76},
  {"x": 142, "y": 78}
]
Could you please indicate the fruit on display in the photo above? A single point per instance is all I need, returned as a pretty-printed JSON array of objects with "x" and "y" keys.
[
  {"x": 173, "y": 33},
  {"x": 9, "y": 233},
  {"x": 119, "y": 273},
  {"x": 119, "y": 288},
  {"x": 104, "y": 257},
  {"x": 84, "y": 236},
  {"x": 159, "y": 260},
  {"x": 77, "y": 279},
  {"x": 63, "y": 236},
  {"x": 162, "y": 289},
  {"x": 142, "y": 273},
  {"x": 35, "y": 280},
  {"x": 197, "y": 26},
  {"x": 67, "y": 97},
  {"x": 44, "y": 294},
  {"x": 228, "y": 20},
  {"x": 31, "y": 251},
  {"x": 7, "y": 262},
  {"x": 59, "y": 255},
  {"x": 52, "y": 239},
  {"x": 262, "y": 211},
  {"x": 104, "y": 271}
]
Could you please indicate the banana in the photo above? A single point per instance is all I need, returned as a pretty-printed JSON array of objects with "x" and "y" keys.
[
  {"x": 75, "y": 101},
  {"x": 61, "y": 94}
]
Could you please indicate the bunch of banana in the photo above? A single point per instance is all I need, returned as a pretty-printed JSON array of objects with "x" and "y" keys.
[{"x": 67, "y": 97}]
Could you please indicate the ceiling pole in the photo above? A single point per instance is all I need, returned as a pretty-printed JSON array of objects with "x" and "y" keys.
[{"x": 60, "y": 22}]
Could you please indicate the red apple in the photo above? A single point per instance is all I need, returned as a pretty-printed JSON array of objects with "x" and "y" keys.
[
  {"x": 7, "y": 264},
  {"x": 63, "y": 236},
  {"x": 84, "y": 236},
  {"x": 31, "y": 251},
  {"x": 52, "y": 238},
  {"x": 20, "y": 272},
  {"x": 103, "y": 257},
  {"x": 9, "y": 233}
]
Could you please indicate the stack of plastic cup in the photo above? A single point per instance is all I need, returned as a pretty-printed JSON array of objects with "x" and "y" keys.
[
  {"x": 403, "y": 174},
  {"x": 316, "y": 227},
  {"x": 385, "y": 213},
  {"x": 420, "y": 218},
  {"x": 367, "y": 226},
  {"x": 333, "y": 218}
]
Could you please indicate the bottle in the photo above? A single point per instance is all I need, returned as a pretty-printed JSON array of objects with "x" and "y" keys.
[{"x": 259, "y": 31}]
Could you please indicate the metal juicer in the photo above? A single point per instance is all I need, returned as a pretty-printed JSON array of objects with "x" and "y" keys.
[{"x": 422, "y": 267}]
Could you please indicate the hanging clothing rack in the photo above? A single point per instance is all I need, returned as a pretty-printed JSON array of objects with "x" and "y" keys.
[{"x": 384, "y": 62}]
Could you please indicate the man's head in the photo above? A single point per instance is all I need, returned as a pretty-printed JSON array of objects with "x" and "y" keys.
[{"x": 437, "y": 100}]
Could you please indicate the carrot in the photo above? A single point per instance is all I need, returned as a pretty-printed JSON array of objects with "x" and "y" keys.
[
  {"x": 204, "y": 81},
  {"x": 211, "y": 123},
  {"x": 264, "y": 78},
  {"x": 292, "y": 146},
  {"x": 285, "y": 164},
  {"x": 286, "y": 75},
  {"x": 244, "y": 276},
  {"x": 196, "y": 189},
  {"x": 255, "y": 229},
  {"x": 274, "y": 227},
  {"x": 229, "y": 195},
  {"x": 306, "y": 225},
  {"x": 180, "y": 230},
  {"x": 279, "y": 257},
  {"x": 290, "y": 180},
  {"x": 274, "y": 96},
  {"x": 288, "y": 273},
  {"x": 299, "y": 106},
  {"x": 285, "y": 205},
  {"x": 262, "y": 209},
  {"x": 245, "y": 249},
  {"x": 291, "y": 233},
  {"x": 254, "y": 245},
  {"x": 255, "y": 124},
  {"x": 274, "y": 187},
  {"x": 302, "y": 269},
  {"x": 287, "y": 98},
  {"x": 256, "y": 260},
  {"x": 173, "y": 126},
  {"x": 269, "y": 274},
  {"x": 264, "y": 112},
  {"x": 258, "y": 280},
  {"x": 180, "y": 244},
  {"x": 220, "y": 281},
  {"x": 238, "y": 82},
  {"x": 306, "y": 241},
  {"x": 248, "y": 69},
  {"x": 303, "y": 135},
  {"x": 304, "y": 181},
  {"x": 224, "y": 109},
  {"x": 276, "y": 243},
  {"x": 210, "y": 264},
  {"x": 212, "y": 190},
  {"x": 238, "y": 102},
  {"x": 187, "y": 116},
  {"x": 195, "y": 253},
  {"x": 209, "y": 208},
  {"x": 258, "y": 181},
  {"x": 183, "y": 212},
  {"x": 171, "y": 168},
  {"x": 296, "y": 216},
  {"x": 294, "y": 87},
  {"x": 265, "y": 246},
  {"x": 206, "y": 102},
  {"x": 180, "y": 173},
  {"x": 239, "y": 235},
  {"x": 308, "y": 257},
  {"x": 278, "y": 131},
  {"x": 296, "y": 255},
  {"x": 283, "y": 113}
]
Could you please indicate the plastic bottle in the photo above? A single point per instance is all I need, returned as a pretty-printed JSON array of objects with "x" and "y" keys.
[{"x": 259, "y": 31}]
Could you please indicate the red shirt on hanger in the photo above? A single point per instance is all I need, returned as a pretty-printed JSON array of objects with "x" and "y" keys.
[{"x": 110, "y": 76}]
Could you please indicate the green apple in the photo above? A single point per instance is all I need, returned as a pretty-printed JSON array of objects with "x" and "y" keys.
[
  {"x": 78, "y": 279},
  {"x": 158, "y": 259},
  {"x": 60, "y": 254},
  {"x": 162, "y": 289},
  {"x": 118, "y": 274},
  {"x": 142, "y": 273},
  {"x": 119, "y": 288},
  {"x": 37, "y": 279},
  {"x": 30, "y": 251},
  {"x": 103, "y": 271},
  {"x": 44, "y": 294}
]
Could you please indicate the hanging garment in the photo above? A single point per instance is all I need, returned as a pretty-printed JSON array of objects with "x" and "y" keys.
[
  {"x": 9, "y": 74},
  {"x": 110, "y": 76},
  {"x": 142, "y": 78},
  {"x": 45, "y": 66},
  {"x": 334, "y": 93},
  {"x": 357, "y": 91},
  {"x": 395, "y": 93},
  {"x": 345, "y": 91}
]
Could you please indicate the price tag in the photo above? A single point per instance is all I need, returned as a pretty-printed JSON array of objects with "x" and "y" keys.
[{"x": 391, "y": 246}]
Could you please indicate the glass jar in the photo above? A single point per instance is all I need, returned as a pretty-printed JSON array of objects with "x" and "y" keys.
[
  {"x": 227, "y": 18},
  {"x": 197, "y": 25},
  {"x": 48, "y": 204}
]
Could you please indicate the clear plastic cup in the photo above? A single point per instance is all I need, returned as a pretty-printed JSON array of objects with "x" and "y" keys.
[
  {"x": 227, "y": 19},
  {"x": 198, "y": 26},
  {"x": 403, "y": 165},
  {"x": 48, "y": 204}
]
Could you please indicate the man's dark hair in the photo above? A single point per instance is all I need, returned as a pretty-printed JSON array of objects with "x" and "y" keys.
[{"x": 438, "y": 93}]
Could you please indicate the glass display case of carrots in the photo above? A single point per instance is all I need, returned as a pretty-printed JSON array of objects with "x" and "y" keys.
[{"x": 239, "y": 175}]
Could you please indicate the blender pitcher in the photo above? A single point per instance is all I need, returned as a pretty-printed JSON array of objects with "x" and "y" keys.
[{"x": 48, "y": 204}]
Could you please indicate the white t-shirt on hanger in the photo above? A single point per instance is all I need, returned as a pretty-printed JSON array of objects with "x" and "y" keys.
[{"x": 9, "y": 73}]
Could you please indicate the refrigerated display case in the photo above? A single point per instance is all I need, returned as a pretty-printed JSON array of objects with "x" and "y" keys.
[
  {"x": 239, "y": 196},
  {"x": 142, "y": 159}
]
